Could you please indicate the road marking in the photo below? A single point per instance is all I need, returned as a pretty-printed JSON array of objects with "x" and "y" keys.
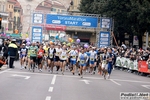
[
  {"x": 50, "y": 89},
  {"x": 5, "y": 71},
  {"x": 86, "y": 81},
  {"x": 133, "y": 81},
  {"x": 53, "y": 80},
  {"x": 146, "y": 86},
  {"x": 25, "y": 77},
  {"x": 115, "y": 82},
  {"x": 48, "y": 98}
]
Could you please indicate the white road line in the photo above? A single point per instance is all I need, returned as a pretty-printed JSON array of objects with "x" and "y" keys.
[
  {"x": 146, "y": 86},
  {"x": 115, "y": 82},
  {"x": 48, "y": 98},
  {"x": 5, "y": 71},
  {"x": 132, "y": 81},
  {"x": 53, "y": 80},
  {"x": 50, "y": 89}
]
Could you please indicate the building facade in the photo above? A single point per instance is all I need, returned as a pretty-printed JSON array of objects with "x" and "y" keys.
[
  {"x": 10, "y": 10},
  {"x": 4, "y": 14}
]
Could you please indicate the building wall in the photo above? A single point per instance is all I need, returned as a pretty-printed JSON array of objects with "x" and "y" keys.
[
  {"x": 17, "y": 19},
  {"x": 10, "y": 10},
  {"x": 4, "y": 15}
]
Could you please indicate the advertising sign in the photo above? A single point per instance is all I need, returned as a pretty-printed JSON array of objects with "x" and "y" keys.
[
  {"x": 105, "y": 23},
  {"x": 37, "y": 34},
  {"x": 135, "y": 40},
  {"x": 68, "y": 20},
  {"x": 38, "y": 18},
  {"x": 55, "y": 27},
  {"x": 104, "y": 39}
]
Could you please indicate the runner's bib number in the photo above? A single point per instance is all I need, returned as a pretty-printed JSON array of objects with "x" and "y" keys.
[
  {"x": 74, "y": 57},
  {"x": 104, "y": 62},
  {"x": 51, "y": 56},
  {"x": 63, "y": 56},
  {"x": 92, "y": 59},
  {"x": 82, "y": 61},
  {"x": 33, "y": 51}
]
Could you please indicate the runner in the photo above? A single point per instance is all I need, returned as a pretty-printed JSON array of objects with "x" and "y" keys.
[
  {"x": 104, "y": 63},
  {"x": 23, "y": 55},
  {"x": 82, "y": 58},
  {"x": 33, "y": 55},
  {"x": 73, "y": 56},
  {"x": 46, "y": 47},
  {"x": 41, "y": 53},
  {"x": 51, "y": 55},
  {"x": 57, "y": 60},
  {"x": 93, "y": 57},
  {"x": 110, "y": 61},
  {"x": 63, "y": 59}
]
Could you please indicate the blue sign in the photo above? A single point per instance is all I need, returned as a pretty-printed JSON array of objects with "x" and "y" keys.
[
  {"x": 37, "y": 34},
  {"x": 105, "y": 23},
  {"x": 68, "y": 20},
  {"x": 38, "y": 18},
  {"x": 104, "y": 39}
]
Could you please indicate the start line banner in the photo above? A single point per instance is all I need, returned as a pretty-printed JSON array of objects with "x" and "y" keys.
[{"x": 127, "y": 63}]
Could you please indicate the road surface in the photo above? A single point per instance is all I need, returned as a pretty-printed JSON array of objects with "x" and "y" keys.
[{"x": 16, "y": 84}]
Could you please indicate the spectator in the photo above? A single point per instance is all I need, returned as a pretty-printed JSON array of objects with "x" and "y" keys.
[{"x": 12, "y": 52}]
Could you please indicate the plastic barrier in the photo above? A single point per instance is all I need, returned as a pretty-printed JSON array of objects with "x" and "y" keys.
[
  {"x": 127, "y": 63},
  {"x": 143, "y": 67},
  {"x": 140, "y": 66}
]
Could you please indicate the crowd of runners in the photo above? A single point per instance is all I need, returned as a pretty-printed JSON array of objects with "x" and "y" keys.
[{"x": 76, "y": 58}]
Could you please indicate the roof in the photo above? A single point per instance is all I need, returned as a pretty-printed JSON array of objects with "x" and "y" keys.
[
  {"x": 49, "y": 4},
  {"x": 16, "y": 3}
]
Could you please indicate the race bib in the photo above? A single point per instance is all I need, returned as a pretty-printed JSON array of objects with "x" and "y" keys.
[
  {"x": 74, "y": 57},
  {"x": 63, "y": 56},
  {"x": 33, "y": 51},
  {"x": 51, "y": 55},
  {"x": 57, "y": 53},
  {"x": 104, "y": 62},
  {"x": 40, "y": 53},
  {"x": 23, "y": 53},
  {"x": 82, "y": 61},
  {"x": 92, "y": 59}
]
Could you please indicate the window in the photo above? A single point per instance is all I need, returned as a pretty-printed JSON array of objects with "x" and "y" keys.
[
  {"x": 10, "y": 14},
  {"x": 3, "y": 8},
  {"x": 53, "y": 9},
  {"x": 15, "y": 10},
  {"x": 9, "y": 26},
  {"x": 15, "y": 20},
  {"x": 0, "y": 8},
  {"x": 18, "y": 20}
]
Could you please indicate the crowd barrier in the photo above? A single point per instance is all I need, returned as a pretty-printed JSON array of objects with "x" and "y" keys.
[{"x": 139, "y": 66}]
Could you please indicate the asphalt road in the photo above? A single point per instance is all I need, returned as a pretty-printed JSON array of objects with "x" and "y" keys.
[{"x": 16, "y": 84}]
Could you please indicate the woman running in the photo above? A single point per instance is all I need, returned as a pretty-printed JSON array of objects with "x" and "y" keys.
[
  {"x": 82, "y": 58},
  {"x": 57, "y": 60},
  {"x": 93, "y": 57},
  {"x": 63, "y": 59},
  {"x": 51, "y": 55}
]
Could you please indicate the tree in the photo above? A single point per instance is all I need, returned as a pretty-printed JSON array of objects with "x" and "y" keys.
[{"x": 130, "y": 16}]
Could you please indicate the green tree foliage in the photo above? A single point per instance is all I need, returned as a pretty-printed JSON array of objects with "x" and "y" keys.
[{"x": 131, "y": 16}]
